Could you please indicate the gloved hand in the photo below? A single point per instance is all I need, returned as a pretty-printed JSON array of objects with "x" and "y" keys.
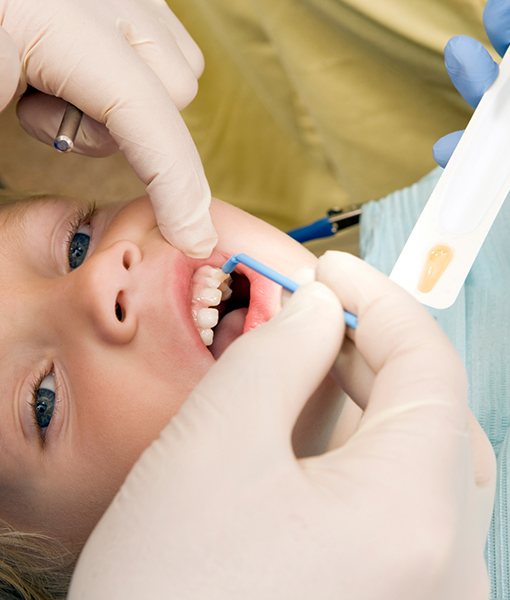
[
  {"x": 130, "y": 65},
  {"x": 219, "y": 507},
  {"x": 472, "y": 69}
]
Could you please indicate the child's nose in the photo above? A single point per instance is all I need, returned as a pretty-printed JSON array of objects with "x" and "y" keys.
[{"x": 101, "y": 291}]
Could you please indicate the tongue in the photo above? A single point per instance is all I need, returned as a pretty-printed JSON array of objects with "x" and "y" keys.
[{"x": 229, "y": 329}]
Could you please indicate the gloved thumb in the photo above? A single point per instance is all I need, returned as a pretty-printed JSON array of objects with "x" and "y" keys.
[
  {"x": 445, "y": 146},
  {"x": 9, "y": 68},
  {"x": 262, "y": 381},
  {"x": 40, "y": 116}
]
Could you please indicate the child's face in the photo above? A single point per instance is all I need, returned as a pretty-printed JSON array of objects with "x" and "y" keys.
[{"x": 115, "y": 338}]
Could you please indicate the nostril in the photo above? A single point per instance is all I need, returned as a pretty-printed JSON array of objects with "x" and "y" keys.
[
  {"x": 119, "y": 313},
  {"x": 128, "y": 259},
  {"x": 130, "y": 254}
]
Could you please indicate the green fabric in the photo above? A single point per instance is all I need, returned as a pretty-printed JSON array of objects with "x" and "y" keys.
[
  {"x": 309, "y": 104},
  {"x": 478, "y": 325}
]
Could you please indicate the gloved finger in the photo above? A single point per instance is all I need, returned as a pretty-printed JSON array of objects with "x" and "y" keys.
[
  {"x": 258, "y": 387},
  {"x": 166, "y": 19},
  {"x": 40, "y": 116},
  {"x": 186, "y": 43},
  {"x": 496, "y": 18},
  {"x": 146, "y": 126},
  {"x": 445, "y": 146},
  {"x": 401, "y": 343},
  {"x": 418, "y": 396},
  {"x": 350, "y": 368},
  {"x": 353, "y": 374},
  {"x": 357, "y": 380},
  {"x": 158, "y": 48},
  {"x": 470, "y": 67},
  {"x": 417, "y": 416},
  {"x": 9, "y": 68}
]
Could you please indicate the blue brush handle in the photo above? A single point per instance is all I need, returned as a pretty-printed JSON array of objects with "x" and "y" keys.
[{"x": 286, "y": 283}]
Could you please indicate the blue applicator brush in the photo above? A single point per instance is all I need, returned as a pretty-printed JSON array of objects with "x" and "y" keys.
[{"x": 286, "y": 283}]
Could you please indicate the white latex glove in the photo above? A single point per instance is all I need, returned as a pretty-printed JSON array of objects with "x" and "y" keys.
[
  {"x": 130, "y": 65},
  {"x": 219, "y": 507}
]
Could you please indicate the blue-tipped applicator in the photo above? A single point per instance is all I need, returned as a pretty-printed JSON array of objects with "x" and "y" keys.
[{"x": 286, "y": 283}]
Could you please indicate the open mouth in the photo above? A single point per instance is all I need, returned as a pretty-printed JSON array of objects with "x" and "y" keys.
[{"x": 219, "y": 307}]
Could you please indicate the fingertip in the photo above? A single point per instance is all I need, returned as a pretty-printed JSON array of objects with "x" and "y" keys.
[
  {"x": 470, "y": 67},
  {"x": 197, "y": 64},
  {"x": 445, "y": 146},
  {"x": 202, "y": 250},
  {"x": 332, "y": 260},
  {"x": 196, "y": 241},
  {"x": 439, "y": 155},
  {"x": 304, "y": 275},
  {"x": 315, "y": 310},
  {"x": 315, "y": 292}
]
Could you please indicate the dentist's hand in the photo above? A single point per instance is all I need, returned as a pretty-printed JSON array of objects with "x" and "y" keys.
[
  {"x": 472, "y": 69},
  {"x": 219, "y": 507},
  {"x": 130, "y": 66}
]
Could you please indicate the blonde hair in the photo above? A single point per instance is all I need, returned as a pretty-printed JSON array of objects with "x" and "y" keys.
[{"x": 33, "y": 566}]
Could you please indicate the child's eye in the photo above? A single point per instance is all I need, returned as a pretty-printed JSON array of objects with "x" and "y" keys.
[
  {"x": 78, "y": 236},
  {"x": 78, "y": 249},
  {"x": 44, "y": 401}
]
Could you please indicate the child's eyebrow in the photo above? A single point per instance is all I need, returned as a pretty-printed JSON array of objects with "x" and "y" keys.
[
  {"x": 12, "y": 223},
  {"x": 13, "y": 215}
]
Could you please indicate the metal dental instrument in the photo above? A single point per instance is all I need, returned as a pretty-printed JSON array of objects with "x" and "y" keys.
[
  {"x": 286, "y": 283},
  {"x": 64, "y": 141},
  {"x": 336, "y": 220}
]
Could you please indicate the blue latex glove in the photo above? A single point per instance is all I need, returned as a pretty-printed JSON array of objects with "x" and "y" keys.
[{"x": 471, "y": 67}]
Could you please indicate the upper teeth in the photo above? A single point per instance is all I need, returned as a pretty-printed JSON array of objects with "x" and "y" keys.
[{"x": 209, "y": 286}]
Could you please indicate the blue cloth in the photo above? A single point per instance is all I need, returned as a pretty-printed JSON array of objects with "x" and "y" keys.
[{"x": 478, "y": 324}]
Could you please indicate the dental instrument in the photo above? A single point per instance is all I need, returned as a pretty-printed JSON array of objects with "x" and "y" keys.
[
  {"x": 450, "y": 231},
  {"x": 286, "y": 283},
  {"x": 335, "y": 220},
  {"x": 64, "y": 140}
]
